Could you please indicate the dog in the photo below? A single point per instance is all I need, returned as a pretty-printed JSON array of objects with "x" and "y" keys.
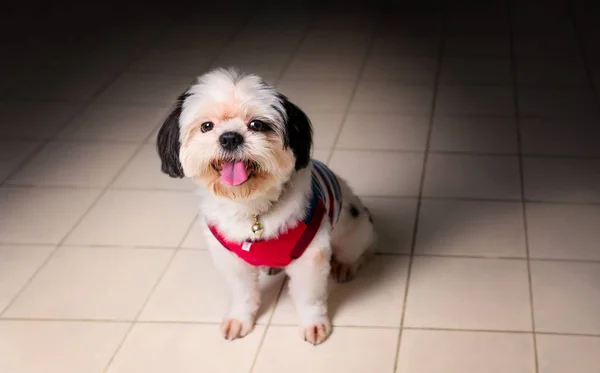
[{"x": 264, "y": 202}]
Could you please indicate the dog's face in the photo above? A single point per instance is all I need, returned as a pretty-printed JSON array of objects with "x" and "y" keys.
[{"x": 235, "y": 135}]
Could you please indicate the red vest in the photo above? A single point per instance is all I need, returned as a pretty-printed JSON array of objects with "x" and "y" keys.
[{"x": 280, "y": 251}]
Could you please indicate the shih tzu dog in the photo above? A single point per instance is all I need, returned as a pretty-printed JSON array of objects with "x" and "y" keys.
[{"x": 265, "y": 203}]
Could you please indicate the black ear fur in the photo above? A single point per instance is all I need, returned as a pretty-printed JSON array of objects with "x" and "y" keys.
[
  {"x": 167, "y": 142},
  {"x": 298, "y": 133}
]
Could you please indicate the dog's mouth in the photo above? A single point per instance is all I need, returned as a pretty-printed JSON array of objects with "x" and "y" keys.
[{"x": 234, "y": 173}]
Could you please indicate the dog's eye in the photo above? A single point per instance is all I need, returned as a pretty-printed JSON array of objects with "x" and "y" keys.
[
  {"x": 257, "y": 125},
  {"x": 206, "y": 126}
]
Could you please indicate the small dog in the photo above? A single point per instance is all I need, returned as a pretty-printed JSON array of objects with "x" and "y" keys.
[{"x": 265, "y": 203}]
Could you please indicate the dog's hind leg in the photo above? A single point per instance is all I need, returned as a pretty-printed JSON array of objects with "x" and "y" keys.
[{"x": 353, "y": 239}]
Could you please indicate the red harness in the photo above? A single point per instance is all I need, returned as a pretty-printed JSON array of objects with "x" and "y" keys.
[{"x": 280, "y": 251}]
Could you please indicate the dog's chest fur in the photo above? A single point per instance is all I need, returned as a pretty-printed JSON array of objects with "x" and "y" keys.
[{"x": 234, "y": 219}]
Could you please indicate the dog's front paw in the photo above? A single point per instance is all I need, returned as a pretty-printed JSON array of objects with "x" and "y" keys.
[
  {"x": 317, "y": 332},
  {"x": 234, "y": 328}
]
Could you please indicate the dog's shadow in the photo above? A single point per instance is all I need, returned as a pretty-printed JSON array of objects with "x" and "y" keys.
[
  {"x": 381, "y": 278},
  {"x": 367, "y": 287}
]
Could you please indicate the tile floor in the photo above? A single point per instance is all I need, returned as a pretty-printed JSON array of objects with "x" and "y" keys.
[{"x": 472, "y": 133}]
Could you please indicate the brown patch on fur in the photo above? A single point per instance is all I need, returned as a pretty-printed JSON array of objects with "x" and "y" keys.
[{"x": 321, "y": 256}]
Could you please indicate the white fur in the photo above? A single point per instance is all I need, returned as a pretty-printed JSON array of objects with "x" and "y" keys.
[{"x": 280, "y": 207}]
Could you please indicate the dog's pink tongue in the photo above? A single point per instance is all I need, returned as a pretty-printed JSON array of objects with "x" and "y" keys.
[{"x": 234, "y": 173}]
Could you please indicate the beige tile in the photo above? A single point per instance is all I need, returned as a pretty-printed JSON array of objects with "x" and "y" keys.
[
  {"x": 317, "y": 95},
  {"x": 115, "y": 123},
  {"x": 184, "y": 348},
  {"x": 467, "y": 176},
  {"x": 328, "y": 41},
  {"x": 92, "y": 283},
  {"x": 465, "y": 293},
  {"x": 559, "y": 72},
  {"x": 433, "y": 351},
  {"x": 325, "y": 128},
  {"x": 18, "y": 263},
  {"x": 143, "y": 172},
  {"x": 384, "y": 132},
  {"x": 374, "y": 298},
  {"x": 476, "y": 71},
  {"x": 264, "y": 41},
  {"x": 195, "y": 238},
  {"x": 400, "y": 46},
  {"x": 478, "y": 47},
  {"x": 60, "y": 85},
  {"x": 44, "y": 216},
  {"x": 327, "y": 66},
  {"x": 566, "y": 297},
  {"x": 550, "y": 136},
  {"x": 269, "y": 65},
  {"x": 13, "y": 153},
  {"x": 416, "y": 23},
  {"x": 468, "y": 23},
  {"x": 185, "y": 62},
  {"x": 379, "y": 173},
  {"x": 82, "y": 57},
  {"x": 139, "y": 88},
  {"x": 401, "y": 69},
  {"x": 474, "y": 228},
  {"x": 137, "y": 218},
  {"x": 394, "y": 220},
  {"x": 349, "y": 350},
  {"x": 66, "y": 347},
  {"x": 474, "y": 134},
  {"x": 390, "y": 97},
  {"x": 321, "y": 155},
  {"x": 475, "y": 100},
  {"x": 193, "y": 290},
  {"x": 193, "y": 37},
  {"x": 34, "y": 120},
  {"x": 559, "y": 231},
  {"x": 561, "y": 180},
  {"x": 344, "y": 21},
  {"x": 82, "y": 164},
  {"x": 559, "y": 354},
  {"x": 546, "y": 48},
  {"x": 563, "y": 102}
]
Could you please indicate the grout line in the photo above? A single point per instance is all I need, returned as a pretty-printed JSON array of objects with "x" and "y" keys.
[
  {"x": 474, "y": 153},
  {"x": 84, "y": 106},
  {"x": 381, "y": 253},
  {"x": 268, "y": 324},
  {"x": 288, "y": 325},
  {"x": 398, "y": 197},
  {"x": 514, "y": 69},
  {"x": 358, "y": 80},
  {"x": 150, "y": 294},
  {"x": 582, "y": 51},
  {"x": 440, "y": 57}
]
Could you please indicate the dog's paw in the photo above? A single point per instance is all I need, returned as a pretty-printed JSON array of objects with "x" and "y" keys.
[
  {"x": 316, "y": 333},
  {"x": 234, "y": 328},
  {"x": 342, "y": 272}
]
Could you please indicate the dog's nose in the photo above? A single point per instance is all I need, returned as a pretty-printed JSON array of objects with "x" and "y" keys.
[{"x": 231, "y": 140}]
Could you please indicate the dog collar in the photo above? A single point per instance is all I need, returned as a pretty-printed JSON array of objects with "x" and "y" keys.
[{"x": 280, "y": 251}]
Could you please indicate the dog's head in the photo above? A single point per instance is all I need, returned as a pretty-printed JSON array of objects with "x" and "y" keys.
[{"x": 235, "y": 135}]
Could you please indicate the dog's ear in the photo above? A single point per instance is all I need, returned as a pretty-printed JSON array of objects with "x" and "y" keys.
[
  {"x": 298, "y": 133},
  {"x": 168, "y": 143}
]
